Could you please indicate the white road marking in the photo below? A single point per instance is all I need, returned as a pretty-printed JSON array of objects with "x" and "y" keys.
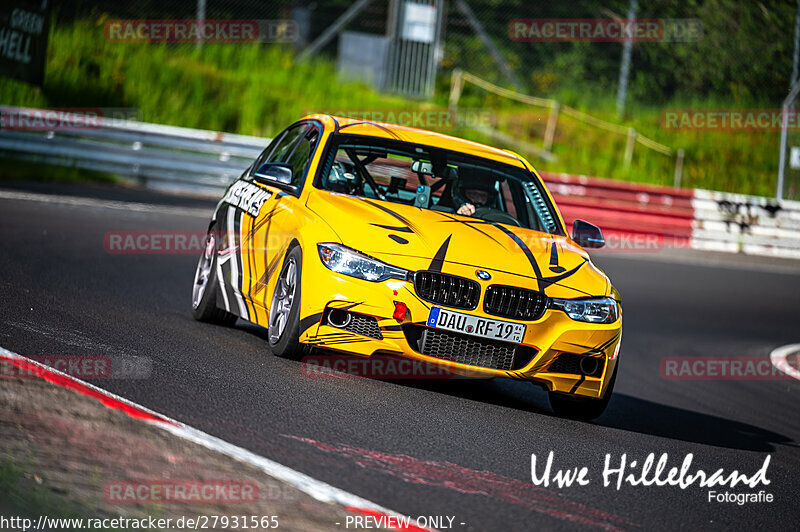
[
  {"x": 778, "y": 357},
  {"x": 309, "y": 485},
  {"x": 107, "y": 204}
]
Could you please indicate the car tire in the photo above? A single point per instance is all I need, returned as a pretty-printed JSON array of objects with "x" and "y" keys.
[
  {"x": 283, "y": 326},
  {"x": 581, "y": 408},
  {"x": 204, "y": 293}
]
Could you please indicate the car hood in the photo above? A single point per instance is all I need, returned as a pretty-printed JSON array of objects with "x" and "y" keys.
[{"x": 390, "y": 231}]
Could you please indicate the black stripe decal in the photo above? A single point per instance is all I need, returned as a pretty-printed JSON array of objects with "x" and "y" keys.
[
  {"x": 391, "y": 213},
  {"x": 413, "y": 293},
  {"x": 580, "y": 381},
  {"x": 323, "y": 343},
  {"x": 261, "y": 284},
  {"x": 402, "y": 229},
  {"x": 554, "y": 266},
  {"x": 525, "y": 249},
  {"x": 250, "y": 266},
  {"x": 469, "y": 224},
  {"x": 599, "y": 350},
  {"x": 237, "y": 231},
  {"x": 438, "y": 259},
  {"x": 309, "y": 321},
  {"x": 547, "y": 281},
  {"x": 351, "y": 304},
  {"x": 542, "y": 281}
]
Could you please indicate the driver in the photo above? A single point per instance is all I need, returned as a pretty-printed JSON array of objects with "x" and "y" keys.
[{"x": 474, "y": 192}]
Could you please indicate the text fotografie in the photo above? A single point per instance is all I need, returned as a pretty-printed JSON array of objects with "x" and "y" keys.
[{"x": 651, "y": 473}]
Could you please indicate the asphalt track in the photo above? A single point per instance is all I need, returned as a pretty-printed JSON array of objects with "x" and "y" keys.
[{"x": 444, "y": 448}]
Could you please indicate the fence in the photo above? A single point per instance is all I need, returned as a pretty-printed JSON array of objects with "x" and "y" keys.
[
  {"x": 202, "y": 161},
  {"x": 459, "y": 78}
]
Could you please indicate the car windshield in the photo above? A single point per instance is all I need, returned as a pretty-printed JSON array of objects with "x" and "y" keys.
[{"x": 437, "y": 179}]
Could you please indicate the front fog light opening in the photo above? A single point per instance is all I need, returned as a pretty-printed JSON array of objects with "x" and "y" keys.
[
  {"x": 590, "y": 365},
  {"x": 339, "y": 318}
]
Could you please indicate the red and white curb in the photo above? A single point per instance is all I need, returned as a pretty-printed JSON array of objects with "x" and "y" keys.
[
  {"x": 315, "y": 488},
  {"x": 698, "y": 219}
]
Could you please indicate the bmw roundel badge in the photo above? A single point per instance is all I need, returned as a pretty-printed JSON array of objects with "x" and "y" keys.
[{"x": 483, "y": 275}]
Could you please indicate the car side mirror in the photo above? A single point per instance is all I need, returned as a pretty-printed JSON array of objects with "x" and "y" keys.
[
  {"x": 275, "y": 174},
  {"x": 587, "y": 235}
]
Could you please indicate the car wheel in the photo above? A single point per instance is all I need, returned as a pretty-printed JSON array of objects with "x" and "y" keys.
[
  {"x": 283, "y": 329},
  {"x": 204, "y": 294},
  {"x": 581, "y": 408}
]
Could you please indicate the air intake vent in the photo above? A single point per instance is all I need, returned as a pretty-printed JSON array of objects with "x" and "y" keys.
[
  {"x": 466, "y": 349},
  {"x": 515, "y": 303},
  {"x": 447, "y": 290}
]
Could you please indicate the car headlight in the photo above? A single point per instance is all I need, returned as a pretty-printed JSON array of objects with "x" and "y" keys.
[
  {"x": 599, "y": 310},
  {"x": 350, "y": 262}
]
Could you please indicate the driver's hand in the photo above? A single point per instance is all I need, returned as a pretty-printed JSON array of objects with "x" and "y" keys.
[{"x": 468, "y": 209}]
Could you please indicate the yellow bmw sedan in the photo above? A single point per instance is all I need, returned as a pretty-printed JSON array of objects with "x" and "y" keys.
[{"x": 378, "y": 239}]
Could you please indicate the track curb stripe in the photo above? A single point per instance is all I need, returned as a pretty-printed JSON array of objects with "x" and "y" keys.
[
  {"x": 315, "y": 488},
  {"x": 778, "y": 357}
]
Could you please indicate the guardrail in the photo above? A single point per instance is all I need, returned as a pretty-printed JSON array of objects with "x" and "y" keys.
[
  {"x": 688, "y": 218},
  {"x": 746, "y": 224},
  {"x": 198, "y": 161},
  {"x": 155, "y": 155}
]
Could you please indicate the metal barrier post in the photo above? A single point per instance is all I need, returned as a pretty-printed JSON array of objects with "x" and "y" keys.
[
  {"x": 679, "y": 168},
  {"x": 552, "y": 122},
  {"x": 629, "y": 148}
]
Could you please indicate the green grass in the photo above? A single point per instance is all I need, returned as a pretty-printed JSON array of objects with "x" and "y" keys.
[
  {"x": 745, "y": 162},
  {"x": 258, "y": 90},
  {"x": 242, "y": 88},
  {"x": 25, "y": 496}
]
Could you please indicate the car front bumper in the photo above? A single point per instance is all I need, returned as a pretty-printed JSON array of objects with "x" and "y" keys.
[{"x": 550, "y": 353}]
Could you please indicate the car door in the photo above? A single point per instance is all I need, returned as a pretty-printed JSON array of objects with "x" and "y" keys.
[{"x": 248, "y": 218}]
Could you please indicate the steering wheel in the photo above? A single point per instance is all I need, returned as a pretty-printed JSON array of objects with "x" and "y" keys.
[{"x": 494, "y": 215}]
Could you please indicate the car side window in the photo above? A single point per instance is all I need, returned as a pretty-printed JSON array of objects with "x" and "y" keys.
[
  {"x": 269, "y": 150},
  {"x": 287, "y": 144},
  {"x": 296, "y": 150},
  {"x": 295, "y": 147},
  {"x": 300, "y": 157}
]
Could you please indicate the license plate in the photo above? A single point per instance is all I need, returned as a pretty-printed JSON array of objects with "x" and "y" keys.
[{"x": 476, "y": 325}]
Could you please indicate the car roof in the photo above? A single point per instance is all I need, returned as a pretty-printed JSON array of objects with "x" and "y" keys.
[{"x": 356, "y": 126}]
